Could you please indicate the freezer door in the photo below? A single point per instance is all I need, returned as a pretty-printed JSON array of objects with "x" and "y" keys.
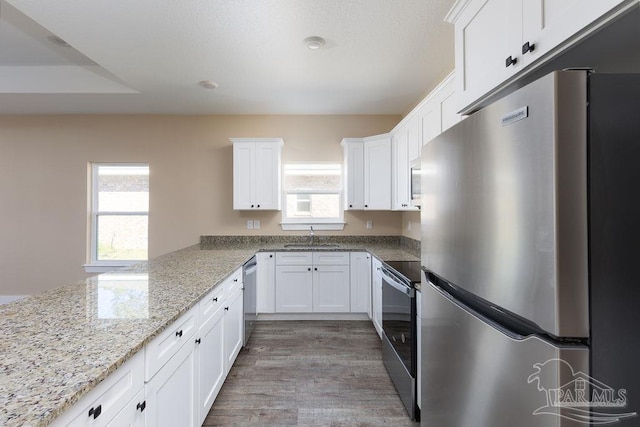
[
  {"x": 504, "y": 211},
  {"x": 475, "y": 375}
]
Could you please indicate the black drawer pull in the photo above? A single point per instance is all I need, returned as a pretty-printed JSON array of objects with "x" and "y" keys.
[
  {"x": 179, "y": 333},
  {"x": 510, "y": 61},
  {"x": 528, "y": 47},
  {"x": 141, "y": 406},
  {"x": 215, "y": 299},
  {"x": 95, "y": 412},
  {"x": 198, "y": 341},
  {"x": 226, "y": 309}
]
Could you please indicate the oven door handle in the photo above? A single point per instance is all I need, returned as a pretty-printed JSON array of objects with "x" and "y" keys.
[{"x": 407, "y": 290}]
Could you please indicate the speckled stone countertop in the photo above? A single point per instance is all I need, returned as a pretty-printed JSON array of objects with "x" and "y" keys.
[{"x": 56, "y": 346}]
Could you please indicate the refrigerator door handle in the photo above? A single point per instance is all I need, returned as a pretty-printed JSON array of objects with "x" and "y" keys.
[{"x": 495, "y": 325}]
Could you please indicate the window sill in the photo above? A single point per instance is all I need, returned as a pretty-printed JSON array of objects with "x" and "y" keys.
[
  {"x": 293, "y": 226},
  {"x": 104, "y": 268}
]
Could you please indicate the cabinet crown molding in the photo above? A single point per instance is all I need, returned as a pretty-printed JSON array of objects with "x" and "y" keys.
[
  {"x": 455, "y": 12},
  {"x": 259, "y": 140}
]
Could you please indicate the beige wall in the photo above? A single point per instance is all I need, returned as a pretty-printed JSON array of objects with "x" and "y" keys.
[
  {"x": 411, "y": 225},
  {"x": 43, "y": 182}
]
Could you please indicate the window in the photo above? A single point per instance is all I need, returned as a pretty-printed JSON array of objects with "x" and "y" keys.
[
  {"x": 119, "y": 214},
  {"x": 312, "y": 196}
]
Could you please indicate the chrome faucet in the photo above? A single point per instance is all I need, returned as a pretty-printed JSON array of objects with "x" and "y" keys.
[{"x": 311, "y": 235}]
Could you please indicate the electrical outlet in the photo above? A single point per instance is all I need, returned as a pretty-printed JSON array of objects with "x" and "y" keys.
[
  {"x": 256, "y": 224},
  {"x": 369, "y": 225},
  {"x": 409, "y": 226},
  {"x": 249, "y": 224}
]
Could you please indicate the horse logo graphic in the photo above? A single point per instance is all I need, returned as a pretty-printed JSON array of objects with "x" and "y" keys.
[{"x": 577, "y": 399}]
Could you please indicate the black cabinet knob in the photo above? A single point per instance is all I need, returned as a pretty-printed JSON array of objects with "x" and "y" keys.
[
  {"x": 510, "y": 61},
  {"x": 350, "y": 206},
  {"x": 141, "y": 406},
  {"x": 309, "y": 269},
  {"x": 270, "y": 256},
  {"x": 179, "y": 333},
  {"x": 316, "y": 268},
  {"x": 226, "y": 309},
  {"x": 366, "y": 206},
  {"x": 258, "y": 205},
  {"x": 215, "y": 299},
  {"x": 95, "y": 412},
  {"x": 235, "y": 280},
  {"x": 251, "y": 205},
  {"x": 198, "y": 341},
  {"x": 528, "y": 47}
]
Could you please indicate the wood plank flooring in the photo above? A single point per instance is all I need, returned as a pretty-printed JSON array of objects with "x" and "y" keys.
[{"x": 311, "y": 373}]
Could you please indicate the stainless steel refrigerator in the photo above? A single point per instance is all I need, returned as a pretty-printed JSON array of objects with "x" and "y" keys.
[{"x": 531, "y": 259}]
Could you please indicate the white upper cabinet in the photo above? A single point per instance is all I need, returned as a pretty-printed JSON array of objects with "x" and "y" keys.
[
  {"x": 353, "y": 173},
  {"x": 367, "y": 171},
  {"x": 256, "y": 173},
  {"x": 377, "y": 172},
  {"x": 400, "y": 160},
  {"x": 495, "y": 40}
]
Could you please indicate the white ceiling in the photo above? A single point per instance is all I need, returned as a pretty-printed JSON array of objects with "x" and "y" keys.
[{"x": 147, "y": 56}]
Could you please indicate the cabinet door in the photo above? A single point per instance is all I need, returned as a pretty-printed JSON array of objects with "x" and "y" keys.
[
  {"x": 133, "y": 414},
  {"x": 401, "y": 171},
  {"x": 266, "y": 282},
  {"x": 244, "y": 166},
  {"x": 354, "y": 174},
  {"x": 486, "y": 34},
  {"x": 377, "y": 173},
  {"x": 430, "y": 120},
  {"x": 360, "y": 283},
  {"x": 376, "y": 292},
  {"x": 210, "y": 359},
  {"x": 548, "y": 23},
  {"x": 331, "y": 291},
  {"x": 233, "y": 328},
  {"x": 171, "y": 392},
  {"x": 294, "y": 284},
  {"x": 267, "y": 176},
  {"x": 448, "y": 106}
]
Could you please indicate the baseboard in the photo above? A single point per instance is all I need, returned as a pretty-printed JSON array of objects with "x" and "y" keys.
[
  {"x": 313, "y": 316},
  {"x": 5, "y": 299}
]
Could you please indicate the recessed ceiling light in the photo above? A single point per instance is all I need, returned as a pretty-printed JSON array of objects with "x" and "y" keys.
[
  {"x": 314, "y": 42},
  {"x": 57, "y": 40},
  {"x": 208, "y": 84}
]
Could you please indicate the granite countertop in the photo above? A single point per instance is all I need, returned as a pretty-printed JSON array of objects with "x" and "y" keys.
[{"x": 56, "y": 346}]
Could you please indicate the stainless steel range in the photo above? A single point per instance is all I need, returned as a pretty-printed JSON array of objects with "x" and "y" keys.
[{"x": 399, "y": 339}]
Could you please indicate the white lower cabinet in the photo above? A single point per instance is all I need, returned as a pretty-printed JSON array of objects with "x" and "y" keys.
[
  {"x": 171, "y": 393},
  {"x": 376, "y": 294},
  {"x": 210, "y": 360},
  {"x": 133, "y": 414},
  {"x": 361, "y": 283},
  {"x": 116, "y": 393},
  {"x": 294, "y": 289},
  {"x": 313, "y": 282},
  {"x": 331, "y": 292},
  {"x": 266, "y": 282},
  {"x": 233, "y": 327}
]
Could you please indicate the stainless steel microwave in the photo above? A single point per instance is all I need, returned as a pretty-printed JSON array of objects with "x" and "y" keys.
[{"x": 416, "y": 178}]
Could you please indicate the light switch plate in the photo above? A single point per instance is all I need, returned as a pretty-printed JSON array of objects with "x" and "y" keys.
[
  {"x": 249, "y": 224},
  {"x": 256, "y": 224}
]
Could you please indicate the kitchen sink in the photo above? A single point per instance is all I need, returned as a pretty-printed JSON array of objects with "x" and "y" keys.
[{"x": 308, "y": 246}]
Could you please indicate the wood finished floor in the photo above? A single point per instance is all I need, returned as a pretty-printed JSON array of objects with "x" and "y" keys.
[{"x": 311, "y": 373}]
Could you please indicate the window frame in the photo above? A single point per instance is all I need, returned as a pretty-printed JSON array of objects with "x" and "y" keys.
[
  {"x": 95, "y": 265},
  {"x": 306, "y": 222}
]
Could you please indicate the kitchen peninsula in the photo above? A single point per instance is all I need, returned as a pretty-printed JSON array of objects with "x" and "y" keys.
[{"x": 58, "y": 345}]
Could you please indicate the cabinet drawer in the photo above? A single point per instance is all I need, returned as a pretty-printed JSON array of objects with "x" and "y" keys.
[
  {"x": 165, "y": 345},
  {"x": 294, "y": 258},
  {"x": 212, "y": 302},
  {"x": 108, "y": 398},
  {"x": 233, "y": 282},
  {"x": 330, "y": 258}
]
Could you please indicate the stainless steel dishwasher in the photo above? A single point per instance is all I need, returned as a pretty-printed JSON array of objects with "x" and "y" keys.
[{"x": 249, "y": 272}]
